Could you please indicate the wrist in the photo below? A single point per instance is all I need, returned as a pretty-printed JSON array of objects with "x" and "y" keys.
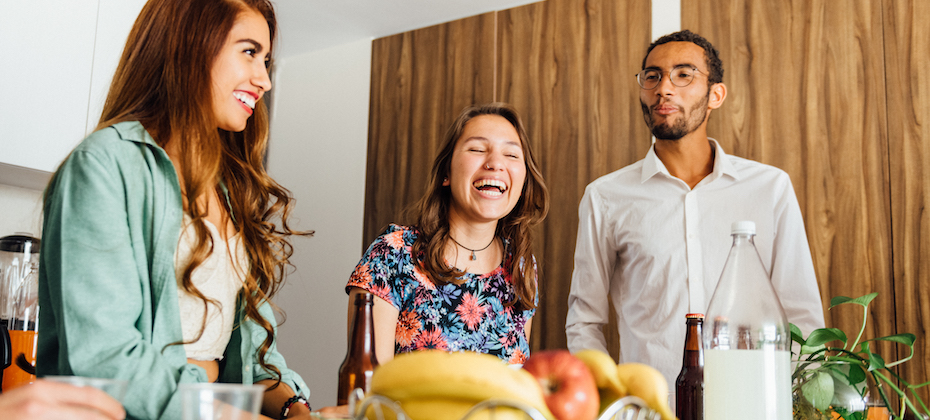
[{"x": 294, "y": 405}]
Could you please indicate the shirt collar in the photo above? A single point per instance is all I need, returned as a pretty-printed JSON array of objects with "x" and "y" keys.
[{"x": 652, "y": 165}]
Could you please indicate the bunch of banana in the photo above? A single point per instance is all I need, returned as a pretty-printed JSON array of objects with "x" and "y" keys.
[
  {"x": 617, "y": 381},
  {"x": 436, "y": 385}
]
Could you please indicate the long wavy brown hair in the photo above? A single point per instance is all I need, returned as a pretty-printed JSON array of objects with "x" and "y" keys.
[
  {"x": 431, "y": 213},
  {"x": 164, "y": 81}
]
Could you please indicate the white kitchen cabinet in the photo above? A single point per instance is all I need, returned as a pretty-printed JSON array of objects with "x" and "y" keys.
[{"x": 56, "y": 75}]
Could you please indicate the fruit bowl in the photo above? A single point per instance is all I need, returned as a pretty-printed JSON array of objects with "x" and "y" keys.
[{"x": 379, "y": 407}]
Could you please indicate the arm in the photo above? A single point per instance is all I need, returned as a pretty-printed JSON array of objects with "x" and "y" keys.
[
  {"x": 274, "y": 399},
  {"x": 97, "y": 286},
  {"x": 793, "y": 273},
  {"x": 291, "y": 383},
  {"x": 51, "y": 400},
  {"x": 594, "y": 261}
]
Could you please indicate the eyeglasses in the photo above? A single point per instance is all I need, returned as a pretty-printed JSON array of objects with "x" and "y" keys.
[{"x": 680, "y": 76}]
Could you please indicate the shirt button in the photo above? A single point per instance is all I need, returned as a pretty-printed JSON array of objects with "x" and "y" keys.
[{"x": 248, "y": 368}]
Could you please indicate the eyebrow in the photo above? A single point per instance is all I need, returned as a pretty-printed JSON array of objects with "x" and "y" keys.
[
  {"x": 674, "y": 67},
  {"x": 485, "y": 139},
  {"x": 256, "y": 44}
]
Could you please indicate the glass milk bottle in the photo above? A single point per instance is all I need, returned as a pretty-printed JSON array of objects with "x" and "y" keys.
[{"x": 747, "y": 356}]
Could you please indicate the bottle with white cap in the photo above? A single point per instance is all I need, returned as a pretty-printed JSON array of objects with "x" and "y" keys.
[{"x": 747, "y": 353}]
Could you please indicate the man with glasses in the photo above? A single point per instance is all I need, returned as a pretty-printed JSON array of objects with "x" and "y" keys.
[{"x": 653, "y": 237}]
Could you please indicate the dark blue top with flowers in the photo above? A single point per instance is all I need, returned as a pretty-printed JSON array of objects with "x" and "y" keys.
[{"x": 470, "y": 316}]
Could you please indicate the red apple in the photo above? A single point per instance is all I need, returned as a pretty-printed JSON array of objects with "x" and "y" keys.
[{"x": 568, "y": 385}]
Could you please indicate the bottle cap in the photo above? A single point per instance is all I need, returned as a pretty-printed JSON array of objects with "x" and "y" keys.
[
  {"x": 743, "y": 227},
  {"x": 694, "y": 316}
]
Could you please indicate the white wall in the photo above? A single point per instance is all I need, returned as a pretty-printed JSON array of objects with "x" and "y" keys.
[
  {"x": 319, "y": 138},
  {"x": 20, "y": 210}
]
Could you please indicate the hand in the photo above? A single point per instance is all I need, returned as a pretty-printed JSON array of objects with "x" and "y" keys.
[
  {"x": 53, "y": 400},
  {"x": 336, "y": 412}
]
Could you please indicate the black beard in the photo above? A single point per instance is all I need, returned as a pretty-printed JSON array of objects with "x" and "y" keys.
[{"x": 680, "y": 128}]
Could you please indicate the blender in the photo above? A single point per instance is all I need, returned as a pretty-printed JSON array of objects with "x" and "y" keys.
[{"x": 19, "y": 307}]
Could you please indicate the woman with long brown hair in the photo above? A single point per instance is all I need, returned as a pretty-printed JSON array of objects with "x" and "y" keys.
[
  {"x": 164, "y": 238},
  {"x": 462, "y": 276}
]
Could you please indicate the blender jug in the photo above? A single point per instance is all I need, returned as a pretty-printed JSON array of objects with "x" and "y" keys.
[{"x": 19, "y": 307}]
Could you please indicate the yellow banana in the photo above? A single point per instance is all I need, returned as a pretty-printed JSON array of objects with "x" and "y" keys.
[
  {"x": 452, "y": 409},
  {"x": 604, "y": 369},
  {"x": 647, "y": 383},
  {"x": 466, "y": 377}
]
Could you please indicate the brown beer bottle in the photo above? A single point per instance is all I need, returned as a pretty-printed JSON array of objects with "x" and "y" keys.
[
  {"x": 360, "y": 361},
  {"x": 689, "y": 387}
]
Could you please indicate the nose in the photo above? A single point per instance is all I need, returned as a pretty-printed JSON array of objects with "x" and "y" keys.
[
  {"x": 494, "y": 162},
  {"x": 262, "y": 79},
  {"x": 665, "y": 86}
]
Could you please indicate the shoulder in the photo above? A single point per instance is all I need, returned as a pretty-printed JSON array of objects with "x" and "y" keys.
[
  {"x": 393, "y": 242},
  {"x": 631, "y": 173},
  {"x": 118, "y": 144},
  {"x": 758, "y": 172}
]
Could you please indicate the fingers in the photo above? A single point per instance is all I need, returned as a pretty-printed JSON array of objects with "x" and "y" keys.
[{"x": 84, "y": 402}]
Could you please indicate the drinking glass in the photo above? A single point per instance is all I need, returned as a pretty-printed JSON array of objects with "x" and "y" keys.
[
  {"x": 212, "y": 401},
  {"x": 116, "y": 388}
]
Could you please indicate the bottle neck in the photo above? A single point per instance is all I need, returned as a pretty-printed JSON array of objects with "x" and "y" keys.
[
  {"x": 362, "y": 339},
  {"x": 743, "y": 239},
  {"x": 694, "y": 346}
]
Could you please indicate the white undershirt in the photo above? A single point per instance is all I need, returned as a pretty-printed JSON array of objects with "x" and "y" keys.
[{"x": 219, "y": 277}]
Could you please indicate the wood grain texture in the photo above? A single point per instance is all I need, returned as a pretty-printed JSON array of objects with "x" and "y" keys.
[
  {"x": 568, "y": 66},
  {"x": 420, "y": 81},
  {"x": 829, "y": 94},
  {"x": 907, "y": 46}
]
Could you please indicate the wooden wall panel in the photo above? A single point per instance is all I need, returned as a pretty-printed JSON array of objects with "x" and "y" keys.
[
  {"x": 420, "y": 81},
  {"x": 837, "y": 97},
  {"x": 907, "y": 46},
  {"x": 568, "y": 66}
]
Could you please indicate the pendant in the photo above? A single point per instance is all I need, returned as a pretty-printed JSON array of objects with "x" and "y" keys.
[{"x": 473, "y": 256}]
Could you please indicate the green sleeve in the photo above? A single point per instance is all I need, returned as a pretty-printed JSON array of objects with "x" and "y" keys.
[{"x": 97, "y": 303}]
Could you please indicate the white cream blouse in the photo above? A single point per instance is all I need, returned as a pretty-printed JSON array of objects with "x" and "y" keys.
[{"x": 219, "y": 277}]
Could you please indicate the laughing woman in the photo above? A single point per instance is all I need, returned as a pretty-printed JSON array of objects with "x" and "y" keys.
[
  {"x": 160, "y": 251},
  {"x": 463, "y": 276}
]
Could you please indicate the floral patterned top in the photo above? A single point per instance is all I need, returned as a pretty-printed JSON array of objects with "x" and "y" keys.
[{"x": 470, "y": 316}]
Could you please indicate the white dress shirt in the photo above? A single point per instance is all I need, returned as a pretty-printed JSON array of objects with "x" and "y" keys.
[{"x": 657, "y": 248}]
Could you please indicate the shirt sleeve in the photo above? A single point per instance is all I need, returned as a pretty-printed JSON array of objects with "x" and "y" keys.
[
  {"x": 594, "y": 261},
  {"x": 384, "y": 267},
  {"x": 93, "y": 289},
  {"x": 793, "y": 274},
  {"x": 273, "y": 357}
]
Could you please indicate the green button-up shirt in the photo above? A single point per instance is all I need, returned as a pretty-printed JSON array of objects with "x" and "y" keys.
[{"x": 108, "y": 294}]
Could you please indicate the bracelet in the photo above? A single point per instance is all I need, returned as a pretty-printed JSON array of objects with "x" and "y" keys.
[{"x": 290, "y": 401}]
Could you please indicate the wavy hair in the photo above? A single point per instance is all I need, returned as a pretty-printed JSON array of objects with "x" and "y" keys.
[
  {"x": 431, "y": 213},
  {"x": 164, "y": 81}
]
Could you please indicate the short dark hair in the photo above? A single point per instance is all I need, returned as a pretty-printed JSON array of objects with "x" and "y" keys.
[{"x": 711, "y": 55}]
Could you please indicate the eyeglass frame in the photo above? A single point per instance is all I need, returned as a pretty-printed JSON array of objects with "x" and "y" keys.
[{"x": 662, "y": 74}]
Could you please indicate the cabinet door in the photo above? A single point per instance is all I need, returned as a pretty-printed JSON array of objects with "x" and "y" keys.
[
  {"x": 46, "y": 75},
  {"x": 57, "y": 74},
  {"x": 115, "y": 19}
]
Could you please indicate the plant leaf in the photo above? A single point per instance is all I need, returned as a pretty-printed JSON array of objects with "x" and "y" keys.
[
  {"x": 821, "y": 336},
  {"x": 875, "y": 362},
  {"x": 805, "y": 349},
  {"x": 856, "y": 374},
  {"x": 796, "y": 335},
  {"x": 861, "y": 300},
  {"x": 819, "y": 390},
  {"x": 906, "y": 339}
]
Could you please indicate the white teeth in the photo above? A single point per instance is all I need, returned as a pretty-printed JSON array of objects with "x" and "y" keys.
[
  {"x": 247, "y": 99},
  {"x": 501, "y": 186}
]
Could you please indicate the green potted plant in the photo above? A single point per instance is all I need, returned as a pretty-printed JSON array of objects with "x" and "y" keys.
[{"x": 850, "y": 380}]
